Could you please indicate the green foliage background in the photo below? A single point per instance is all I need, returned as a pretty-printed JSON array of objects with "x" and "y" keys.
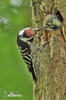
[{"x": 14, "y": 75}]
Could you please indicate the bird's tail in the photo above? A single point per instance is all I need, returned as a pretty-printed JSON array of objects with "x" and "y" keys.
[
  {"x": 34, "y": 76},
  {"x": 30, "y": 67}
]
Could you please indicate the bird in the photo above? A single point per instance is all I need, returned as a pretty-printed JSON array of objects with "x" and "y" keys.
[
  {"x": 24, "y": 39},
  {"x": 53, "y": 21}
]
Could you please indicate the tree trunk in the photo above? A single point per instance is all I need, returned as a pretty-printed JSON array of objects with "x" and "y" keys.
[{"x": 49, "y": 61}]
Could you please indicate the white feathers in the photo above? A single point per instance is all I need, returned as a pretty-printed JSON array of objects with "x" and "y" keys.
[{"x": 21, "y": 32}]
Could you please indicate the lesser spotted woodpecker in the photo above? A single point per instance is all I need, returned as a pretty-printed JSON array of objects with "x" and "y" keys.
[
  {"x": 53, "y": 22},
  {"x": 25, "y": 37}
]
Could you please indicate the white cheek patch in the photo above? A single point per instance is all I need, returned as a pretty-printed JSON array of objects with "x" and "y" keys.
[{"x": 21, "y": 32}]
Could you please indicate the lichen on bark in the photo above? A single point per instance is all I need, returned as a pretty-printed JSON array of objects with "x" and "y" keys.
[{"x": 49, "y": 62}]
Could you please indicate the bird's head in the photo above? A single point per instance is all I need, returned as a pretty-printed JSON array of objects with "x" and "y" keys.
[{"x": 26, "y": 35}]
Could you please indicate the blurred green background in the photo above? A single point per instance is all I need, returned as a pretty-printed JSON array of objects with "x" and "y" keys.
[{"x": 14, "y": 76}]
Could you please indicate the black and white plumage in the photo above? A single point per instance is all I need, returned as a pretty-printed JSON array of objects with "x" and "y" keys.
[
  {"x": 53, "y": 22},
  {"x": 25, "y": 37}
]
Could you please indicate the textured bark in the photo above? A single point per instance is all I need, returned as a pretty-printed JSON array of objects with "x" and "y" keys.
[{"x": 50, "y": 61}]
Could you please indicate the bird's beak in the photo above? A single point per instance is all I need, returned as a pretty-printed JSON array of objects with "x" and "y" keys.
[{"x": 38, "y": 29}]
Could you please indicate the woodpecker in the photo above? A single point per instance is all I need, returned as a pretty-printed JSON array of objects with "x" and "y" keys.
[
  {"x": 24, "y": 39},
  {"x": 53, "y": 21}
]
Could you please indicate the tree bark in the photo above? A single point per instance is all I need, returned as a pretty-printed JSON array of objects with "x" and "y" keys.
[{"x": 49, "y": 61}]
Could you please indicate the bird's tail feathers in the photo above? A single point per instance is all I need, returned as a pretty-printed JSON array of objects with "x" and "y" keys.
[{"x": 33, "y": 73}]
